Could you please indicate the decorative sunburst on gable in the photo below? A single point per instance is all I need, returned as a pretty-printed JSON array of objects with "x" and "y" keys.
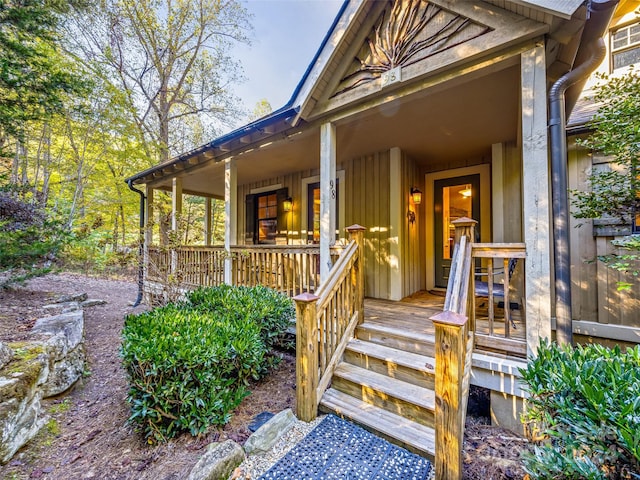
[{"x": 407, "y": 32}]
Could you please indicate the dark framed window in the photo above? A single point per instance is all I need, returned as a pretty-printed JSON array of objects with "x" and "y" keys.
[
  {"x": 625, "y": 46},
  {"x": 265, "y": 218}
]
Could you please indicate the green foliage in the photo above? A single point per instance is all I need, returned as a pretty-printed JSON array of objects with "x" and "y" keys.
[
  {"x": 35, "y": 77},
  {"x": 189, "y": 363},
  {"x": 29, "y": 238},
  {"x": 585, "y": 402},
  {"x": 273, "y": 311},
  {"x": 614, "y": 192}
]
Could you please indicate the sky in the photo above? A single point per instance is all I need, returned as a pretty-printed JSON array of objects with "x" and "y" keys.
[{"x": 286, "y": 36}]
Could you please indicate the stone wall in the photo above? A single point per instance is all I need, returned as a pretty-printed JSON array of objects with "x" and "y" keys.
[{"x": 48, "y": 364}]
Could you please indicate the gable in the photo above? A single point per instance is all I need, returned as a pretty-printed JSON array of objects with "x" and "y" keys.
[
  {"x": 401, "y": 41},
  {"x": 407, "y": 32}
]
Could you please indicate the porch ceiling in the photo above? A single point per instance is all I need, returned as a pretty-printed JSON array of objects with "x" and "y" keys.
[{"x": 454, "y": 124}]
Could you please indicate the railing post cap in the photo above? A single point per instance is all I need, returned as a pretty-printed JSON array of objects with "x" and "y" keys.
[
  {"x": 464, "y": 221},
  {"x": 448, "y": 318},
  {"x": 356, "y": 228},
  {"x": 306, "y": 297}
]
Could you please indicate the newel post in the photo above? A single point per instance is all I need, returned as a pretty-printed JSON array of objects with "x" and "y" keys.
[
  {"x": 465, "y": 226},
  {"x": 306, "y": 356},
  {"x": 356, "y": 233},
  {"x": 451, "y": 344}
]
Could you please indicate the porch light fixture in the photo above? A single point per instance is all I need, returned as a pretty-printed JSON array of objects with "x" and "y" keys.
[
  {"x": 287, "y": 205},
  {"x": 416, "y": 195},
  {"x": 466, "y": 193}
]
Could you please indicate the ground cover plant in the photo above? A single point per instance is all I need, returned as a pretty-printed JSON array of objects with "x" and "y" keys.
[
  {"x": 188, "y": 363},
  {"x": 585, "y": 411}
]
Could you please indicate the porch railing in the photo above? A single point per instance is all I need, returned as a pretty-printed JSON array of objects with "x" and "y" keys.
[
  {"x": 495, "y": 332},
  {"x": 290, "y": 269},
  {"x": 325, "y": 322}
]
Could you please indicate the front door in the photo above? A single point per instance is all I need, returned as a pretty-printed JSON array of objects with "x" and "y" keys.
[{"x": 454, "y": 198}]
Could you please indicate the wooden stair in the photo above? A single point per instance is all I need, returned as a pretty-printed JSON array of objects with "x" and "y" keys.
[{"x": 385, "y": 383}]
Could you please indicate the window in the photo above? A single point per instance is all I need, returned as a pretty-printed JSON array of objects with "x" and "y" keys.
[
  {"x": 267, "y": 219},
  {"x": 625, "y": 46}
]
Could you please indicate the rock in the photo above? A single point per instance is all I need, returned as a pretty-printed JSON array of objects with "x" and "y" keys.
[
  {"x": 6, "y": 354},
  {"x": 92, "y": 302},
  {"x": 218, "y": 462},
  {"x": 267, "y": 435},
  {"x": 20, "y": 394},
  {"x": 259, "y": 420},
  {"x": 62, "y": 307},
  {"x": 64, "y": 343},
  {"x": 74, "y": 297}
]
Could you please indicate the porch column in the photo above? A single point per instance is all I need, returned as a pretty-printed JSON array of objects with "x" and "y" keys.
[
  {"x": 207, "y": 221},
  {"x": 230, "y": 215},
  {"x": 327, "y": 196},
  {"x": 535, "y": 197},
  {"x": 176, "y": 213},
  {"x": 398, "y": 218}
]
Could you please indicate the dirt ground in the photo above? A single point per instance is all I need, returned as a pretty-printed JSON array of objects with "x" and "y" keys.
[{"x": 88, "y": 436}]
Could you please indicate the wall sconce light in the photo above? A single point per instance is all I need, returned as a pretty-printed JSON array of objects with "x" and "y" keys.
[
  {"x": 416, "y": 195},
  {"x": 287, "y": 205},
  {"x": 411, "y": 215}
]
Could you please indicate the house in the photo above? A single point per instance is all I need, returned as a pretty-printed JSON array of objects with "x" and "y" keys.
[{"x": 414, "y": 114}]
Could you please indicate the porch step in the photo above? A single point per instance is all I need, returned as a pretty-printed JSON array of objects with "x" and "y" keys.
[
  {"x": 413, "y": 436},
  {"x": 411, "y": 401},
  {"x": 397, "y": 338},
  {"x": 406, "y": 366}
]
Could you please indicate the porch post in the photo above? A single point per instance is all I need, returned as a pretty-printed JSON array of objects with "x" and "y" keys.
[
  {"x": 230, "y": 217},
  {"x": 176, "y": 213},
  {"x": 327, "y": 196},
  {"x": 398, "y": 220},
  {"x": 535, "y": 197},
  {"x": 207, "y": 221}
]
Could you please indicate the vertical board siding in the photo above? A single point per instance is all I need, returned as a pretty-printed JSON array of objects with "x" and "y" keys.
[
  {"x": 365, "y": 194},
  {"x": 412, "y": 248},
  {"x": 584, "y": 291},
  {"x": 367, "y": 180},
  {"x": 595, "y": 294}
]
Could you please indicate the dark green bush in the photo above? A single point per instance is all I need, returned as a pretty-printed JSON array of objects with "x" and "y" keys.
[
  {"x": 188, "y": 364},
  {"x": 273, "y": 311},
  {"x": 585, "y": 403}
]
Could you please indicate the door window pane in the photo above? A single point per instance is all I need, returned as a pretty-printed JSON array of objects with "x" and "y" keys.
[{"x": 456, "y": 203}]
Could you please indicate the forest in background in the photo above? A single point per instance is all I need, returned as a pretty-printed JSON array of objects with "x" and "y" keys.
[{"x": 93, "y": 92}]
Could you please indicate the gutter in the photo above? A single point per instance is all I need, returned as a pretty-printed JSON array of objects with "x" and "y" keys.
[
  {"x": 594, "y": 51},
  {"x": 140, "y": 243}
]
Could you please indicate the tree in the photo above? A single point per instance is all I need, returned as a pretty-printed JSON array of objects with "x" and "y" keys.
[
  {"x": 171, "y": 59},
  {"x": 35, "y": 76},
  {"x": 262, "y": 108},
  {"x": 614, "y": 192}
]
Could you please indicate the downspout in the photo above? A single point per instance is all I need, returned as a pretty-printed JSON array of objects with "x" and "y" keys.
[
  {"x": 600, "y": 13},
  {"x": 140, "y": 243}
]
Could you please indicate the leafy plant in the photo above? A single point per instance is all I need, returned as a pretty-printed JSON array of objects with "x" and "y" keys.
[
  {"x": 189, "y": 363},
  {"x": 585, "y": 406},
  {"x": 614, "y": 192}
]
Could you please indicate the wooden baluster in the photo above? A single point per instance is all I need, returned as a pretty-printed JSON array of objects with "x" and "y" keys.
[
  {"x": 307, "y": 356},
  {"x": 507, "y": 312}
]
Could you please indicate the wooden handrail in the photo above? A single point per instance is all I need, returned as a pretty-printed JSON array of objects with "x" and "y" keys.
[
  {"x": 454, "y": 347},
  {"x": 325, "y": 322}
]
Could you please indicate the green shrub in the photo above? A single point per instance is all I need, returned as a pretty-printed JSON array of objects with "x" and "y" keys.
[
  {"x": 188, "y": 364},
  {"x": 273, "y": 311},
  {"x": 585, "y": 402}
]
